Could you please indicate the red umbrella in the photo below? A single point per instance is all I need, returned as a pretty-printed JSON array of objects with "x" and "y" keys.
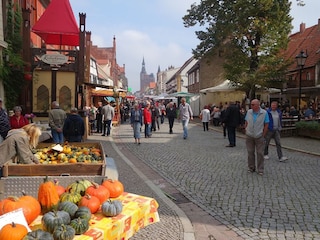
[{"x": 57, "y": 25}]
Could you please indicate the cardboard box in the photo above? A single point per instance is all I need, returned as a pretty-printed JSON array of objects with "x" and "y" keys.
[{"x": 66, "y": 169}]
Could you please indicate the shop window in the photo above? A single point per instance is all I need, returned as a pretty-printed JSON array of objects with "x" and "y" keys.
[
  {"x": 43, "y": 99},
  {"x": 65, "y": 98}
]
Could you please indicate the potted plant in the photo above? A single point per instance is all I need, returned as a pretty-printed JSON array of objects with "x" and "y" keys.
[{"x": 308, "y": 129}]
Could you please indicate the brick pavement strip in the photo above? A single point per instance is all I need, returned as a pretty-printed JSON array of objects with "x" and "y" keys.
[{"x": 284, "y": 203}]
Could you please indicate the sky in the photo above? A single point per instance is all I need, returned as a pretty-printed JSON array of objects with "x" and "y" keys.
[{"x": 154, "y": 30}]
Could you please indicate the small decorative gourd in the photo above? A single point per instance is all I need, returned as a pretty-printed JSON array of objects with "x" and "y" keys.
[
  {"x": 69, "y": 207},
  {"x": 13, "y": 231},
  {"x": 51, "y": 220},
  {"x": 77, "y": 187},
  {"x": 38, "y": 235},
  {"x": 111, "y": 208},
  {"x": 74, "y": 197},
  {"x": 80, "y": 225},
  {"x": 64, "y": 232},
  {"x": 48, "y": 196}
]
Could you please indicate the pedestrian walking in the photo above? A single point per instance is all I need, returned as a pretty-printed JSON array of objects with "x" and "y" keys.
[
  {"x": 223, "y": 119},
  {"x": 136, "y": 122},
  {"x": 147, "y": 120},
  {"x": 205, "y": 118},
  {"x": 57, "y": 116},
  {"x": 107, "y": 115},
  {"x": 185, "y": 114},
  {"x": 73, "y": 128},
  {"x": 256, "y": 126},
  {"x": 171, "y": 113},
  {"x": 232, "y": 121},
  {"x": 162, "y": 109},
  {"x": 274, "y": 130},
  {"x": 99, "y": 117}
]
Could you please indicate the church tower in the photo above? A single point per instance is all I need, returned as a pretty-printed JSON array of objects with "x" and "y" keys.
[{"x": 145, "y": 79}]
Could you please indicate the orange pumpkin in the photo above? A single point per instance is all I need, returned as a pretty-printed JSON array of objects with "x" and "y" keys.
[
  {"x": 30, "y": 206},
  {"x": 91, "y": 202},
  {"x": 99, "y": 191},
  {"x": 13, "y": 231},
  {"x": 48, "y": 196},
  {"x": 60, "y": 189},
  {"x": 115, "y": 187}
]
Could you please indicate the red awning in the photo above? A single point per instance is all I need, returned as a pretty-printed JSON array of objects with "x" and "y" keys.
[{"x": 57, "y": 25}]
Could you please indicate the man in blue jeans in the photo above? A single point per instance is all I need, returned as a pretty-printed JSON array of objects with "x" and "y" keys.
[
  {"x": 185, "y": 114},
  {"x": 274, "y": 129},
  {"x": 57, "y": 117},
  {"x": 107, "y": 114}
]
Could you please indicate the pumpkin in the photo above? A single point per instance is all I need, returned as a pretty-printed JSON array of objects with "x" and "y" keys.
[
  {"x": 86, "y": 183},
  {"x": 60, "y": 189},
  {"x": 77, "y": 187},
  {"x": 13, "y": 231},
  {"x": 83, "y": 212},
  {"x": 111, "y": 208},
  {"x": 48, "y": 196},
  {"x": 64, "y": 232},
  {"x": 30, "y": 206},
  {"x": 71, "y": 197},
  {"x": 69, "y": 207},
  {"x": 92, "y": 202},
  {"x": 99, "y": 191},
  {"x": 80, "y": 225},
  {"x": 38, "y": 235},
  {"x": 51, "y": 220},
  {"x": 115, "y": 187}
]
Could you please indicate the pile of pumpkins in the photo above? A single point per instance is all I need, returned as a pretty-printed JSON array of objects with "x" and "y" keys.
[
  {"x": 66, "y": 211},
  {"x": 69, "y": 154}
]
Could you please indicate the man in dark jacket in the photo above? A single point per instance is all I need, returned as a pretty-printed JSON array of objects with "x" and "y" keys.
[
  {"x": 4, "y": 122},
  {"x": 73, "y": 128},
  {"x": 232, "y": 121},
  {"x": 171, "y": 114}
]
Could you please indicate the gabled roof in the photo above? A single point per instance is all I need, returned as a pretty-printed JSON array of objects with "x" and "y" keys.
[
  {"x": 57, "y": 25},
  {"x": 307, "y": 40}
]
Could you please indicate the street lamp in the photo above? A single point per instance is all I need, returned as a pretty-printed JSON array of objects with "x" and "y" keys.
[{"x": 301, "y": 60}]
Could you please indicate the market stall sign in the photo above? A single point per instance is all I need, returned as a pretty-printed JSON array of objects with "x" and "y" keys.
[{"x": 54, "y": 59}]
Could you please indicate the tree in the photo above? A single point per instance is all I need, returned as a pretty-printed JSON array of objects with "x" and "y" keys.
[
  {"x": 13, "y": 67},
  {"x": 252, "y": 35}
]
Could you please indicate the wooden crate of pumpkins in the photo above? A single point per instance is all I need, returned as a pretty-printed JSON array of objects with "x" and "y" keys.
[{"x": 75, "y": 159}]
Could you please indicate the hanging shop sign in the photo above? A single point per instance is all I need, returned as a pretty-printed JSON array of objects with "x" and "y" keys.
[{"x": 54, "y": 59}]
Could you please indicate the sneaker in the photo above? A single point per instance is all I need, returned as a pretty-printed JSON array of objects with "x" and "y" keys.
[
  {"x": 283, "y": 159},
  {"x": 266, "y": 157}
]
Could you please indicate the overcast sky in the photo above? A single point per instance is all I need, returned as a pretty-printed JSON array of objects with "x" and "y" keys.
[{"x": 153, "y": 30}]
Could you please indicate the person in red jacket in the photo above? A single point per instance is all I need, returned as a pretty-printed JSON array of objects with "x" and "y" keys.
[
  {"x": 147, "y": 120},
  {"x": 18, "y": 120}
]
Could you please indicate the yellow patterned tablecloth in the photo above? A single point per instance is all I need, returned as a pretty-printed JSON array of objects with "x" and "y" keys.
[{"x": 138, "y": 212}]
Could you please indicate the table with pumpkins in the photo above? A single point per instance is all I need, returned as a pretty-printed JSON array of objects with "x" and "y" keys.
[{"x": 83, "y": 210}]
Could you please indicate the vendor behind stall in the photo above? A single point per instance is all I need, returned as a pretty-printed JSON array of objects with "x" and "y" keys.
[{"x": 19, "y": 143}]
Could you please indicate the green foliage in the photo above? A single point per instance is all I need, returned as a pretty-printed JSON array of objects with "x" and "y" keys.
[
  {"x": 12, "y": 70},
  {"x": 251, "y": 33},
  {"x": 310, "y": 125}
]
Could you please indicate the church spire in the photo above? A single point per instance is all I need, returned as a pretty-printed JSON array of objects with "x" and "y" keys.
[{"x": 143, "y": 69}]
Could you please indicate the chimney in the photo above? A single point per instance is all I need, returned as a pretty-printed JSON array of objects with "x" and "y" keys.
[{"x": 302, "y": 27}]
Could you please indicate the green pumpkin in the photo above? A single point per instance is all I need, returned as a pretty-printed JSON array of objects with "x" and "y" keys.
[
  {"x": 80, "y": 225},
  {"x": 111, "y": 208},
  {"x": 83, "y": 212},
  {"x": 38, "y": 235},
  {"x": 51, "y": 220},
  {"x": 69, "y": 207},
  {"x": 77, "y": 187},
  {"x": 64, "y": 232},
  {"x": 73, "y": 197},
  {"x": 86, "y": 183}
]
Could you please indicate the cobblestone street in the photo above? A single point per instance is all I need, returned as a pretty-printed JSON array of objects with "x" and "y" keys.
[{"x": 281, "y": 204}]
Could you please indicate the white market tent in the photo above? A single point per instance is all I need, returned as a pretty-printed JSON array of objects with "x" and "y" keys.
[{"x": 225, "y": 86}]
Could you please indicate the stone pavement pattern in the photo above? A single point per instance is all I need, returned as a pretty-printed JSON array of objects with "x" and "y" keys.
[{"x": 282, "y": 204}]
